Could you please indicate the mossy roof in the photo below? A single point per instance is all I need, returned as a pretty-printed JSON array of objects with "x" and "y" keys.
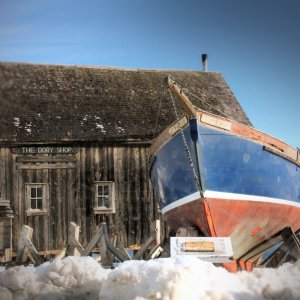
[{"x": 54, "y": 103}]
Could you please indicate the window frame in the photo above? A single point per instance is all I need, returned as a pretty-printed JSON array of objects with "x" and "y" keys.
[
  {"x": 45, "y": 199},
  {"x": 111, "y": 193}
]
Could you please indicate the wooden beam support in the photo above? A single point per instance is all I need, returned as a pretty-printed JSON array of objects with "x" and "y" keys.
[
  {"x": 116, "y": 252},
  {"x": 93, "y": 242},
  {"x": 26, "y": 248},
  {"x": 74, "y": 247},
  {"x": 144, "y": 248}
]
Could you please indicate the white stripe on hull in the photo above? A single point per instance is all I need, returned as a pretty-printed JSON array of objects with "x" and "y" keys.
[
  {"x": 243, "y": 197},
  {"x": 182, "y": 201},
  {"x": 227, "y": 196}
]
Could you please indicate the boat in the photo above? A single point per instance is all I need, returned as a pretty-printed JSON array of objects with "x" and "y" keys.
[{"x": 225, "y": 179}]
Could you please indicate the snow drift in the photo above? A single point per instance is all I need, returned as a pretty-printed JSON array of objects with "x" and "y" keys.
[{"x": 177, "y": 278}]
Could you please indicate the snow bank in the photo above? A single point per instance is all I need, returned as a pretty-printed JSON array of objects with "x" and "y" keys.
[
  {"x": 70, "y": 278},
  {"x": 178, "y": 278},
  {"x": 190, "y": 278}
]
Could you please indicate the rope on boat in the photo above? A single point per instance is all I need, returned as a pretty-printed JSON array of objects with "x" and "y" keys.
[
  {"x": 212, "y": 106},
  {"x": 186, "y": 147}
]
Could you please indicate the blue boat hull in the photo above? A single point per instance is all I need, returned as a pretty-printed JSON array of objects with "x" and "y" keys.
[{"x": 247, "y": 192}]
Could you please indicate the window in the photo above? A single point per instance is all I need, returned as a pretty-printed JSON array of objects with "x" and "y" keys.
[
  {"x": 36, "y": 198},
  {"x": 104, "y": 200}
]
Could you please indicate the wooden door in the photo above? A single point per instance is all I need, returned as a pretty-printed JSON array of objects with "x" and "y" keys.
[{"x": 47, "y": 203}]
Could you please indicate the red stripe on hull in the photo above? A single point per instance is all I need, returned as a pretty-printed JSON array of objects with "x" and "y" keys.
[{"x": 247, "y": 222}]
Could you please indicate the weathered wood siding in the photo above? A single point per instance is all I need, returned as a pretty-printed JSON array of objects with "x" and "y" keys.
[{"x": 70, "y": 185}]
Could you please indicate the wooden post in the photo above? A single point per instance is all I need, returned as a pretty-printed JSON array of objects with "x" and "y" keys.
[
  {"x": 26, "y": 248},
  {"x": 21, "y": 254},
  {"x": 157, "y": 231},
  {"x": 93, "y": 241},
  {"x": 118, "y": 254},
  {"x": 103, "y": 249},
  {"x": 74, "y": 247},
  {"x": 155, "y": 252},
  {"x": 121, "y": 247},
  {"x": 144, "y": 248},
  {"x": 60, "y": 256}
]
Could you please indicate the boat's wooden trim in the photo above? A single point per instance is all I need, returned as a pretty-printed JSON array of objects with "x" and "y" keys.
[
  {"x": 282, "y": 154},
  {"x": 215, "y": 122},
  {"x": 166, "y": 135},
  {"x": 272, "y": 144}
]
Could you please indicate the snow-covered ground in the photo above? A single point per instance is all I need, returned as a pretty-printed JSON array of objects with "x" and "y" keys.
[{"x": 184, "y": 278}]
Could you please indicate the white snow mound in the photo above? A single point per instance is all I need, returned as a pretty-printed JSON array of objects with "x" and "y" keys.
[{"x": 177, "y": 278}]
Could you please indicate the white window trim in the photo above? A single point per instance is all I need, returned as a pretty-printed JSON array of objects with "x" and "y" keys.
[
  {"x": 111, "y": 188},
  {"x": 45, "y": 199}
]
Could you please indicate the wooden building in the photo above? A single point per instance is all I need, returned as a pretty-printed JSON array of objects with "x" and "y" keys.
[{"x": 74, "y": 145}]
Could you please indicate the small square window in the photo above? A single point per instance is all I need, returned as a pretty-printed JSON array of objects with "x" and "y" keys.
[
  {"x": 104, "y": 201},
  {"x": 36, "y": 198}
]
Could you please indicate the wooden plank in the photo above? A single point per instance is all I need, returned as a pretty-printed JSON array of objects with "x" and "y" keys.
[
  {"x": 25, "y": 243},
  {"x": 60, "y": 255},
  {"x": 103, "y": 249},
  {"x": 61, "y": 224},
  {"x": 104, "y": 163},
  {"x": 118, "y": 254},
  {"x": 88, "y": 194},
  {"x": 73, "y": 237},
  {"x": 128, "y": 196},
  {"x": 8, "y": 254},
  {"x": 16, "y": 199},
  {"x": 3, "y": 167},
  {"x": 93, "y": 242},
  {"x": 155, "y": 252},
  {"x": 46, "y": 223},
  {"x": 145, "y": 221},
  {"x": 144, "y": 248},
  {"x": 33, "y": 252},
  {"x": 215, "y": 121},
  {"x": 157, "y": 232},
  {"x": 76, "y": 191},
  {"x": 281, "y": 154},
  {"x": 53, "y": 222},
  {"x": 26, "y": 232},
  {"x": 40, "y": 166},
  {"x": 82, "y": 195},
  {"x": 78, "y": 247},
  {"x": 49, "y": 159},
  {"x": 67, "y": 202},
  {"x": 119, "y": 164},
  {"x": 71, "y": 187},
  {"x": 137, "y": 195},
  {"x": 121, "y": 247}
]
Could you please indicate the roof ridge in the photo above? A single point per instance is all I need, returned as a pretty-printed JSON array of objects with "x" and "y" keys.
[{"x": 113, "y": 68}]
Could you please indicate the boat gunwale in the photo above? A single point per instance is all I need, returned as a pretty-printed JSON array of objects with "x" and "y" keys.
[{"x": 270, "y": 143}]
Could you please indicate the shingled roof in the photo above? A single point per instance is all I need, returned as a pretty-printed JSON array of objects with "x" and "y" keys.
[{"x": 53, "y": 103}]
